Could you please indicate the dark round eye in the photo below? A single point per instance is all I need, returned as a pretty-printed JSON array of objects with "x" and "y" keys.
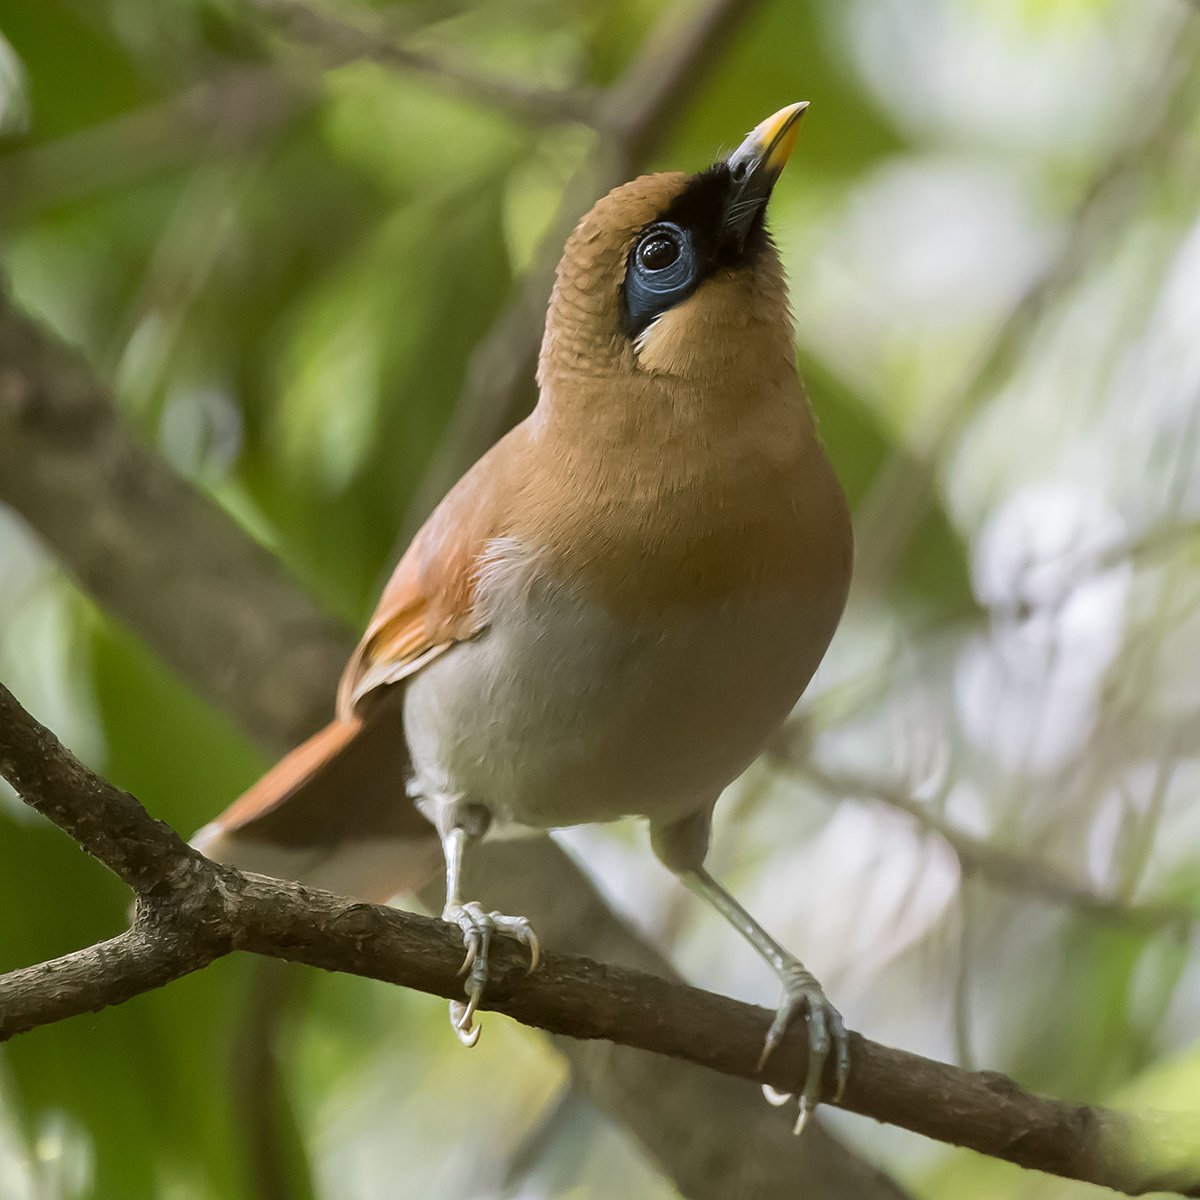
[
  {"x": 663, "y": 270},
  {"x": 658, "y": 253}
]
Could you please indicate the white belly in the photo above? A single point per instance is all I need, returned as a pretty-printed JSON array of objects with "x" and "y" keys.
[{"x": 560, "y": 714}]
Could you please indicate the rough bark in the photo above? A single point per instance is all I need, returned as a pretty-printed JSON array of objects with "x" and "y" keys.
[
  {"x": 160, "y": 558},
  {"x": 191, "y": 911}
]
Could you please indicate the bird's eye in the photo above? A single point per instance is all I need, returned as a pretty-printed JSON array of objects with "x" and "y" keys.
[
  {"x": 663, "y": 270},
  {"x": 658, "y": 253}
]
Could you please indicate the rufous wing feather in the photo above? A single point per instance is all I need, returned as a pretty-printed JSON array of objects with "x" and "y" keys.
[
  {"x": 429, "y": 603},
  {"x": 340, "y": 799}
]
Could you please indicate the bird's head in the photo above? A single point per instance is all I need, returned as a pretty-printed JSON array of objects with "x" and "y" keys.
[{"x": 674, "y": 274}]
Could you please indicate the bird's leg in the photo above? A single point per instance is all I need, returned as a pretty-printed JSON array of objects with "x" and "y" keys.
[
  {"x": 463, "y": 824},
  {"x": 801, "y": 993}
]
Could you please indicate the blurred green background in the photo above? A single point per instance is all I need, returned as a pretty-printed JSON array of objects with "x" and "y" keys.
[{"x": 280, "y": 255}]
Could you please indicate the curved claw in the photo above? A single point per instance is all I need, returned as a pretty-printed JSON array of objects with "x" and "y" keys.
[
  {"x": 460, "y": 1022},
  {"x": 520, "y": 930},
  {"x": 477, "y": 928},
  {"x": 471, "y": 941},
  {"x": 535, "y": 950},
  {"x": 826, "y": 1032}
]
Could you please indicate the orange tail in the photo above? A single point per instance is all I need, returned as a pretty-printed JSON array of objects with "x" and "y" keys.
[{"x": 334, "y": 814}]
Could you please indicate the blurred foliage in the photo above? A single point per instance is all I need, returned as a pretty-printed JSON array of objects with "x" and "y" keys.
[{"x": 284, "y": 294}]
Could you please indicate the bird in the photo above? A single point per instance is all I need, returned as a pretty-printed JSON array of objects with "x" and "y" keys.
[{"x": 614, "y": 609}]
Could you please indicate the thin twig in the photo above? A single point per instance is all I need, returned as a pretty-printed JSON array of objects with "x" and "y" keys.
[
  {"x": 1025, "y": 874},
  {"x": 342, "y": 40},
  {"x": 230, "y": 113},
  {"x": 643, "y": 105},
  {"x": 900, "y": 493},
  {"x": 197, "y": 911}
]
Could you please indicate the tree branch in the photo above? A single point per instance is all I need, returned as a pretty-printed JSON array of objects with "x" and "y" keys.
[
  {"x": 341, "y": 41},
  {"x": 191, "y": 911},
  {"x": 88, "y": 980},
  {"x": 162, "y": 559},
  {"x": 219, "y": 610},
  {"x": 107, "y": 822},
  {"x": 643, "y": 105},
  {"x": 1009, "y": 869},
  {"x": 67, "y": 463},
  {"x": 230, "y": 112}
]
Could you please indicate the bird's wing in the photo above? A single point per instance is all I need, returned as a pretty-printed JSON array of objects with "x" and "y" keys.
[
  {"x": 427, "y": 606},
  {"x": 430, "y": 600},
  {"x": 345, "y": 786}
]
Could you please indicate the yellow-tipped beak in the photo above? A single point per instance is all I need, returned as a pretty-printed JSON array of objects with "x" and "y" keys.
[
  {"x": 755, "y": 165},
  {"x": 772, "y": 141}
]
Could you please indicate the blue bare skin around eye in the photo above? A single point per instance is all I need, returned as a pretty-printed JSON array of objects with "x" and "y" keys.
[{"x": 645, "y": 301}]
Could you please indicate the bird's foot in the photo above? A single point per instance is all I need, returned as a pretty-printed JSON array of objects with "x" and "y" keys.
[
  {"x": 826, "y": 1034},
  {"x": 478, "y": 927}
]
